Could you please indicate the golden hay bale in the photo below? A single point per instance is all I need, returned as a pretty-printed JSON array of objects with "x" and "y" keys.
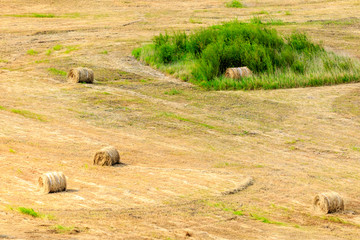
[
  {"x": 52, "y": 182},
  {"x": 328, "y": 202},
  {"x": 77, "y": 75},
  {"x": 238, "y": 73},
  {"x": 107, "y": 156}
]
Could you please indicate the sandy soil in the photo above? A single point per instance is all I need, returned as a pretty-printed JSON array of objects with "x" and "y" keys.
[{"x": 179, "y": 152}]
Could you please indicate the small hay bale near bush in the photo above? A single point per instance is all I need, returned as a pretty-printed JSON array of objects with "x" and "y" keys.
[
  {"x": 80, "y": 75},
  {"x": 238, "y": 73},
  {"x": 52, "y": 182},
  {"x": 107, "y": 156},
  {"x": 328, "y": 202}
]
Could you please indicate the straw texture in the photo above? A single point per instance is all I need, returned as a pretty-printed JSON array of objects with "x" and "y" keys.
[
  {"x": 107, "y": 156},
  {"x": 328, "y": 202},
  {"x": 52, "y": 182},
  {"x": 238, "y": 73},
  {"x": 78, "y": 75}
]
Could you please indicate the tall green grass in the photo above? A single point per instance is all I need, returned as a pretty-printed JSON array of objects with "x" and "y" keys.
[{"x": 203, "y": 56}]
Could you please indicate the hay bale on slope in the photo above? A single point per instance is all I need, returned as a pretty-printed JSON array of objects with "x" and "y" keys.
[
  {"x": 107, "y": 156},
  {"x": 52, "y": 182},
  {"x": 328, "y": 202},
  {"x": 77, "y": 75},
  {"x": 238, "y": 73}
]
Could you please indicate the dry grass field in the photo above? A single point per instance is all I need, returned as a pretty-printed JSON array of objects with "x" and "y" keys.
[{"x": 180, "y": 146}]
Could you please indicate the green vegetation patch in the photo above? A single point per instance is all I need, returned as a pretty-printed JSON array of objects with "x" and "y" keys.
[
  {"x": 65, "y": 229},
  {"x": 234, "y": 4},
  {"x": 29, "y": 114},
  {"x": 32, "y": 52},
  {"x": 29, "y": 211},
  {"x": 264, "y": 219},
  {"x": 57, "y": 72},
  {"x": 276, "y": 61}
]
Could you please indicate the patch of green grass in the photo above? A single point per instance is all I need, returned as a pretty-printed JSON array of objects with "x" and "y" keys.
[
  {"x": 69, "y": 49},
  {"x": 104, "y": 52},
  {"x": 224, "y": 207},
  {"x": 287, "y": 13},
  {"x": 29, "y": 211},
  {"x": 336, "y": 219},
  {"x": 259, "y": 21},
  {"x": 173, "y": 92},
  {"x": 194, "y": 21},
  {"x": 2, "y": 108},
  {"x": 261, "y": 12},
  {"x": 48, "y": 52},
  {"x": 355, "y": 148},
  {"x": 57, "y": 71},
  {"x": 32, "y": 52},
  {"x": 29, "y": 114},
  {"x": 42, "y": 61},
  {"x": 3, "y": 61},
  {"x": 265, "y": 220},
  {"x": 62, "y": 229},
  {"x": 234, "y": 4},
  {"x": 33, "y": 15},
  {"x": 12, "y": 150},
  {"x": 174, "y": 116},
  {"x": 58, "y": 47},
  {"x": 276, "y": 61}
]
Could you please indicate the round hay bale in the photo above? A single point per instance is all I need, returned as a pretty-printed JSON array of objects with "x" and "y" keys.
[
  {"x": 52, "y": 182},
  {"x": 107, "y": 156},
  {"x": 328, "y": 202},
  {"x": 238, "y": 73},
  {"x": 78, "y": 75}
]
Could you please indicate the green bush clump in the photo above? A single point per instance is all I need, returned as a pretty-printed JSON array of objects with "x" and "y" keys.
[
  {"x": 234, "y": 4},
  {"x": 203, "y": 56}
]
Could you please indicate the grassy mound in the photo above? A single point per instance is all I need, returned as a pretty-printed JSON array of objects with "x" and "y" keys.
[{"x": 277, "y": 62}]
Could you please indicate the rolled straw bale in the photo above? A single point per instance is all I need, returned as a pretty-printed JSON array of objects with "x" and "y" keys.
[
  {"x": 328, "y": 202},
  {"x": 107, "y": 156},
  {"x": 52, "y": 182},
  {"x": 77, "y": 75},
  {"x": 238, "y": 73}
]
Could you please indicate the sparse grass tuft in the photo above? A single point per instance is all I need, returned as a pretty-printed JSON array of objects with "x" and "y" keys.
[
  {"x": 173, "y": 92},
  {"x": 194, "y": 21},
  {"x": 12, "y": 150},
  {"x": 58, "y": 47},
  {"x": 355, "y": 148},
  {"x": 69, "y": 49},
  {"x": 234, "y": 4},
  {"x": 29, "y": 211},
  {"x": 261, "y": 12},
  {"x": 57, "y": 72},
  {"x": 264, "y": 219},
  {"x": 104, "y": 52},
  {"x": 63, "y": 229},
  {"x": 224, "y": 207},
  {"x": 29, "y": 114},
  {"x": 32, "y": 52},
  {"x": 203, "y": 56}
]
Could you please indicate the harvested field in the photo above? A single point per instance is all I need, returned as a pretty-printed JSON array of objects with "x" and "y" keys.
[{"x": 181, "y": 147}]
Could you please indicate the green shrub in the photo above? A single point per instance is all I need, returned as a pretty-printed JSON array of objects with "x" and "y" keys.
[
  {"x": 203, "y": 56},
  {"x": 234, "y": 4}
]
